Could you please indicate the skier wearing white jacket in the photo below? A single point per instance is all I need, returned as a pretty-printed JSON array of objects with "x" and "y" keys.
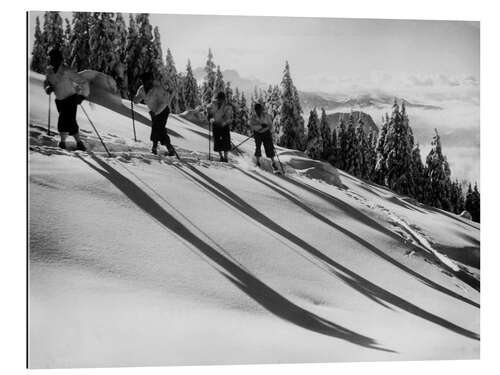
[
  {"x": 261, "y": 123},
  {"x": 70, "y": 89}
]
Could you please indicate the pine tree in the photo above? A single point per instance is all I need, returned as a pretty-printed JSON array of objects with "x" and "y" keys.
[
  {"x": 80, "y": 46},
  {"x": 191, "y": 93},
  {"x": 352, "y": 148},
  {"x": 219, "y": 85},
  {"x": 363, "y": 162},
  {"x": 53, "y": 33},
  {"x": 229, "y": 93},
  {"x": 291, "y": 122},
  {"x": 342, "y": 141},
  {"x": 437, "y": 176},
  {"x": 457, "y": 199},
  {"x": 314, "y": 146},
  {"x": 326, "y": 135},
  {"x": 172, "y": 81},
  {"x": 243, "y": 115},
  {"x": 473, "y": 203},
  {"x": 418, "y": 171},
  {"x": 102, "y": 36},
  {"x": 39, "y": 59},
  {"x": 209, "y": 81},
  {"x": 398, "y": 149},
  {"x": 334, "y": 149},
  {"x": 380, "y": 166},
  {"x": 66, "y": 47}
]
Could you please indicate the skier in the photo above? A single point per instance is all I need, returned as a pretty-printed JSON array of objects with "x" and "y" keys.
[
  {"x": 220, "y": 115},
  {"x": 70, "y": 89},
  {"x": 261, "y": 123},
  {"x": 158, "y": 99}
]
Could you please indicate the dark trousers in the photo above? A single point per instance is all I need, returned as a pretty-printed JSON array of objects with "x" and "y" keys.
[
  {"x": 265, "y": 138},
  {"x": 158, "y": 128},
  {"x": 67, "y": 114},
  {"x": 222, "y": 138}
]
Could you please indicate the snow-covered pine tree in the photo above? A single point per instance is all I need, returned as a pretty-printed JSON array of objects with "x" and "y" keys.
[
  {"x": 371, "y": 155},
  {"x": 39, "y": 54},
  {"x": 66, "y": 47},
  {"x": 352, "y": 148},
  {"x": 219, "y": 85},
  {"x": 102, "y": 35},
  {"x": 80, "y": 45},
  {"x": 171, "y": 79},
  {"x": 133, "y": 51},
  {"x": 380, "y": 166},
  {"x": 362, "y": 162},
  {"x": 473, "y": 203},
  {"x": 342, "y": 142},
  {"x": 398, "y": 147},
  {"x": 326, "y": 135},
  {"x": 291, "y": 122},
  {"x": 334, "y": 149},
  {"x": 437, "y": 176},
  {"x": 457, "y": 199},
  {"x": 191, "y": 93},
  {"x": 314, "y": 146},
  {"x": 207, "y": 91},
  {"x": 418, "y": 171},
  {"x": 53, "y": 33},
  {"x": 243, "y": 116}
]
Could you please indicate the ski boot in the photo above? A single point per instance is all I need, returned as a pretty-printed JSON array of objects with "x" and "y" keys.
[
  {"x": 154, "y": 150},
  {"x": 80, "y": 146},
  {"x": 62, "y": 145}
]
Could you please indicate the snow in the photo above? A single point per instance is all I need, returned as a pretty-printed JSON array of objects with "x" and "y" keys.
[{"x": 140, "y": 260}]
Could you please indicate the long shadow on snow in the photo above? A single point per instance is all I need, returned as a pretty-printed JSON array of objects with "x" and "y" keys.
[
  {"x": 355, "y": 281},
  {"x": 278, "y": 188},
  {"x": 358, "y": 215},
  {"x": 244, "y": 280}
]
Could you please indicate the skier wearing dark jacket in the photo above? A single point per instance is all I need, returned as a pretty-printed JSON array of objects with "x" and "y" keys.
[
  {"x": 261, "y": 123},
  {"x": 157, "y": 99},
  {"x": 220, "y": 115},
  {"x": 69, "y": 89}
]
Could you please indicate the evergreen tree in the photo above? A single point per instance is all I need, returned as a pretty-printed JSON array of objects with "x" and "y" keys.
[
  {"x": 473, "y": 203},
  {"x": 418, "y": 171},
  {"x": 398, "y": 149},
  {"x": 39, "y": 59},
  {"x": 191, "y": 93},
  {"x": 53, "y": 33},
  {"x": 219, "y": 85},
  {"x": 172, "y": 81},
  {"x": 457, "y": 199},
  {"x": 229, "y": 93},
  {"x": 326, "y": 135},
  {"x": 380, "y": 166},
  {"x": 80, "y": 41},
  {"x": 363, "y": 162},
  {"x": 342, "y": 145},
  {"x": 370, "y": 155},
  {"x": 243, "y": 116},
  {"x": 291, "y": 122},
  {"x": 437, "y": 176},
  {"x": 102, "y": 36},
  {"x": 352, "y": 162},
  {"x": 334, "y": 149},
  {"x": 207, "y": 91},
  {"x": 314, "y": 147},
  {"x": 66, "y": 47},
  {"x": 133, "y": 51}
]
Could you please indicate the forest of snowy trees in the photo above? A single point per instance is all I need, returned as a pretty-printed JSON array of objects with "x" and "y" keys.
[{"x": 107, "y": 43}]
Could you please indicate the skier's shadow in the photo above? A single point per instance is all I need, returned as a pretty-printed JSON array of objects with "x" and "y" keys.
[
  {"x": 362, "y": 285},
  {"x": 358, "y": 215},
  {"x": 294, "y": 199},
  {"x": 232, "y": 271}
]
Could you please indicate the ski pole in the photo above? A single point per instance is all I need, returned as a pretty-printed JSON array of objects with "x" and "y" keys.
[
  {"x": 209, "y": 140},
  {"x": 98, "y": 135},
  {"x": 239, "y": 144},
  {"x": 48, "y": 124},
  {"x": 277, "y": 157},
  {"x": 133, "y": 118}
]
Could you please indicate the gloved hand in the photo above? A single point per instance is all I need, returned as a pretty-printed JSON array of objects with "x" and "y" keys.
[{"x": 49, "y": 89}]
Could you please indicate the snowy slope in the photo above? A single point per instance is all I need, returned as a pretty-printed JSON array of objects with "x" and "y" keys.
[{"x": 137, "y": 259}]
